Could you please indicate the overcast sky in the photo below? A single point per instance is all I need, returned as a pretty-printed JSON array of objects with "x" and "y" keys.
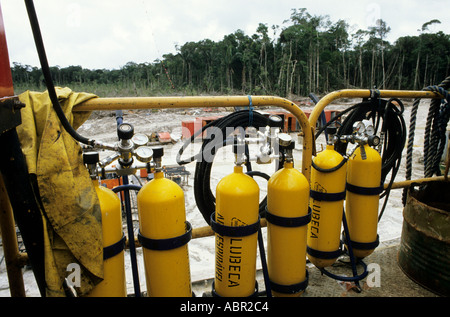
[{"x": 109, "y": 33}]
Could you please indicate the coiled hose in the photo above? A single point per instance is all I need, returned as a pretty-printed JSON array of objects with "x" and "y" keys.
[
  {"x": 387, "y": 119},
  {"x": 225, "y": 127},
  {"x": 434, "y": 135}
]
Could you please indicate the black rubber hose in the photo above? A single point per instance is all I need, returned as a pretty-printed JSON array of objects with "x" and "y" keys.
[
  {"x": 226, "y": 125},
  {"x": 390, "y": 117},
  {"x": 47, "y": 75},
  {"x": 387, "y": 117}
]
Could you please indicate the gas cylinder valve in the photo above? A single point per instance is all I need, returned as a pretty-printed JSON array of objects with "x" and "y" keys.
[
  {"x": 331, "y": 132},
  {"x": 268, "y": 139},
  {"x": 238, "y": 150},
  {"x": 286, "y": 145},
  {"x": 91, "y": 159},
  {"x": 158, "y": 153},
  {"x": 125, "y": 132}
]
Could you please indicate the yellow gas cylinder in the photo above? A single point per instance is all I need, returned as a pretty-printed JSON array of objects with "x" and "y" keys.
[
  {"x": 361, "y": 206},
  {"x": 287, "y": 218},
  {"x": 114, "y": 283},
  {"x": 164, "y": 234},
  {"x": 236, "y": 223},
  {"x": 328, "y": 177}
]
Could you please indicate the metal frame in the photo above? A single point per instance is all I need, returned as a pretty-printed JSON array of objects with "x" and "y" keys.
[
  {"x": 209, "y": 102},
  {"x": 307, "y": 126}
]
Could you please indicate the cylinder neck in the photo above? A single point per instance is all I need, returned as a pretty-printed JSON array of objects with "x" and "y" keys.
[
  {"x": 159, "y": 174},
  {"x": 288, "y": 164},
  {"x": 238, "y": 169}
]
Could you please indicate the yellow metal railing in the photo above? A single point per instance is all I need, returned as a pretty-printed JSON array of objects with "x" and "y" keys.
[
  {"x": 365, "y": 93},
  {"x": 307, "y": 124},
  {"x": 210, "y": 102}
]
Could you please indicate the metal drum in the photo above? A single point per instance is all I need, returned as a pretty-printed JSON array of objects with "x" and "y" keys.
[{"x": 424, "y": 254}]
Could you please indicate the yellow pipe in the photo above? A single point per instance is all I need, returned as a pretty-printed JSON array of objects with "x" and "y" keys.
[
  {"x": 420, "y": 181},
  {"x": 213, "y": 102},
  {"x": 365, "y": 93},
  {"x": 10, "y": 247}
]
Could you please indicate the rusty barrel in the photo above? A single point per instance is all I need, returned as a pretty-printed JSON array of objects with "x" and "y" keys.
[{"x": 424, "y": 254}]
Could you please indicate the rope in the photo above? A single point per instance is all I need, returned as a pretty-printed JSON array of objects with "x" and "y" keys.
[
  {"x": 437, "y": 134},
  {"x": 412, "y": 129},
  {"x": 434, "y": 136}
]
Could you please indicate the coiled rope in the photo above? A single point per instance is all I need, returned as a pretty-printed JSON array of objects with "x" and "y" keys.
[{"x": 434, "y": 135}]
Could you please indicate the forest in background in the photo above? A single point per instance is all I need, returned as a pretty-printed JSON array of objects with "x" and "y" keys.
[{"x": 310, "y": 54}]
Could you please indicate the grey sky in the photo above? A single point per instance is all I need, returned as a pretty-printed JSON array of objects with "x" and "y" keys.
[{"x": 108, "y": 34}]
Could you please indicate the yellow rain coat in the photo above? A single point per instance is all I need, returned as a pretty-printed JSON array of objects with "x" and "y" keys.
[{"x": 71, "y": 211}]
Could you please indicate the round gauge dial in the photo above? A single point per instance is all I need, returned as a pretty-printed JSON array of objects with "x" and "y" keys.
[
  {"x": 370, "y": 130},
  {"x": 144, "y": 154},
  {"x": 140, "y": 139},
  {"x": 359, "y": 127},
  {"x": 275, "y": 121},
  {"x": 284, "y": 139}
]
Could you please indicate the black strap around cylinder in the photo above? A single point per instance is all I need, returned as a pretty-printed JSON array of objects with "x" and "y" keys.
[
  {"x": 290, "y": 289},
  {"x": 288, "y": 221},
  {"x": 324, "y": 255},
  {"x": 234, "y": 231},
  {"x": 362, "y": 245},
  {"x": 166, "y": 244},
  {"x": 114, "y": 249},
  {"x": 320, "y": 196},
  {"x": 367, "y": 191}
]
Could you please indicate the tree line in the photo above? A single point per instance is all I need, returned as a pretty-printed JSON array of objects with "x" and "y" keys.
[{"x": 309, "y": 53}]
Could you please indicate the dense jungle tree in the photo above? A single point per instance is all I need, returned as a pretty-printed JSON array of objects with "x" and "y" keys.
[{"x": 307, "y": 53}]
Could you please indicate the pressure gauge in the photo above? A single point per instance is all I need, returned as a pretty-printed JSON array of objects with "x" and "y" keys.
[
  {"x": 275, "y": 121},
  {"x": 144, "y": 154},
  {"x": 370, "y": 130},
  {"x": 284, "y": 139},
  {"x": 140, "y": 139},
  {"x": 374, "y": 140},
  {"x": 359, "y": 127},
  {"x": 369, "y": 127}
]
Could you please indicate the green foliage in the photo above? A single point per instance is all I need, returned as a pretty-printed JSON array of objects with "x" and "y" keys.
[{"x": 310, "y": 54}]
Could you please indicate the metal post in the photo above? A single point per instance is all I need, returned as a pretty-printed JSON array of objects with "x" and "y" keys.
[{"x": 10, "y": 246}]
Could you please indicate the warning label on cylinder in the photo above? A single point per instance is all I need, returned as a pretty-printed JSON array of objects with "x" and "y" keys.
[{"x": 228, "y": 256}]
